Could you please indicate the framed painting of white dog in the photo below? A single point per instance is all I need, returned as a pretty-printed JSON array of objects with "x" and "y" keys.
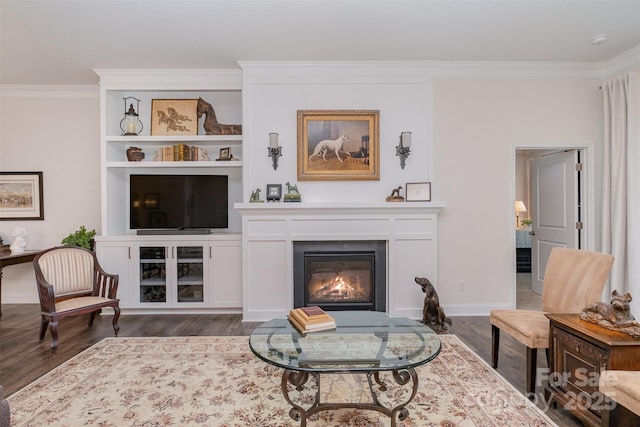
[{"x": 338, "y": 145}]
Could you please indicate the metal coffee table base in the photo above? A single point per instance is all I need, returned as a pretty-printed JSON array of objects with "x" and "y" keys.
[{"x": 300, "y": 378}]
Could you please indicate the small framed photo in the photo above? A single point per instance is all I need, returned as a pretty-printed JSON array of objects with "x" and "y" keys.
[
  {"x": 274, "y": 192},
  {"x": 21, "y": 196},
  {"x": 225, "y": 153},
  {"x": 174, "y": 117},
  {"x": 418, "y": 192}
]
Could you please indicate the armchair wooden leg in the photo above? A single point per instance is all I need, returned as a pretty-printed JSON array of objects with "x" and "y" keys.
[
  {"x": 532, "y": 355},
  {"x": 116, "y": 316},
  {"x": 495, "y": 344},
  {"x": 44, "y": 323},
  {"x": 92, "y": 317},
  {"x": 53, "y": 327}
]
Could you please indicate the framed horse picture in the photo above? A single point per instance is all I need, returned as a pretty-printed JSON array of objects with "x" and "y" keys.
[
  {"x": 21, "y": 196},
  {"x": 174, "y": 117},
  {"x": 338, "y": 145}
]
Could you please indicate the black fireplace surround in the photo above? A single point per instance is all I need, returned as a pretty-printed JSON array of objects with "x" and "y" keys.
[{"x": 362, "y": 264}]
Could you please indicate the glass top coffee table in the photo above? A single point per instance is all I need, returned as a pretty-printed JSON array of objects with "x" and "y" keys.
[{"x": 368, "y": 342}]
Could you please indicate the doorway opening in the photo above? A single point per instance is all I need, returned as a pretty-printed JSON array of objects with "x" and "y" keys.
[{"x": 551, "y": 184}]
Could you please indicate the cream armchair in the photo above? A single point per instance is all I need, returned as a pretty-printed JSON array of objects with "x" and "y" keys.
[
  {"x": 573, "y": 279},
  {"x": 623, "y": 387},
  {"x": 71, "y": 282}
]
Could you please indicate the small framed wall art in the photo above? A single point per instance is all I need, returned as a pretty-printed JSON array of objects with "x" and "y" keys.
[
  {"x": 21, "y": 196},
  {"x": 174, "y": 117},
  {"x": 418, "y": 192},
  {"x": 338, "y": 145}
]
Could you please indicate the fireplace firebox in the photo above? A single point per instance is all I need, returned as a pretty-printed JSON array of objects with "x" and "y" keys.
[{"x": 340, "y": 275}]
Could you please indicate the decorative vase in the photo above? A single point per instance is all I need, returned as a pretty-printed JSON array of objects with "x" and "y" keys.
[{"x": 135, "y": 154}]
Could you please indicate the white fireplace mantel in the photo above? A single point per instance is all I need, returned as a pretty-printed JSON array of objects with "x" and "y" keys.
[{"x": 269, "y": 230}]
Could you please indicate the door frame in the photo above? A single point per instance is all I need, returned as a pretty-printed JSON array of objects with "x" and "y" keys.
[{"x": 588, "y": 202}]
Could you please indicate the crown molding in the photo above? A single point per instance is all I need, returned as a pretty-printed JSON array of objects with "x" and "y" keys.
[
  {"x": 355, "y": 72},
  {"x": 410, "y": 71},
  {"x": 628, "y": 61},
  {"x": 49, "y": 91},
  {"x": 177, "y": 79}
]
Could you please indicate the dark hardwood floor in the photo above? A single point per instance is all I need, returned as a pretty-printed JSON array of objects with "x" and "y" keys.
[{"x": 23, "y": 358}]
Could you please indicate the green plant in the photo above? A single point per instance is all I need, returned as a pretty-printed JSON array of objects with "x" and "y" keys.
[
  {"x": 81, "y": 238},
  {"x": 526, "y": 222}
]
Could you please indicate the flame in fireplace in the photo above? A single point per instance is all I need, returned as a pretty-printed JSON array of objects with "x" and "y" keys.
[{"x": 338, "y": 288}]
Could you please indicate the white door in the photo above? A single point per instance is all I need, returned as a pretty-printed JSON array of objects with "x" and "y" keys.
[{"x": 555, "y": 199}]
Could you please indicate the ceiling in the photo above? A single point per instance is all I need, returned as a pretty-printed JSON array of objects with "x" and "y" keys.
[{"x": 54, "y": 42}]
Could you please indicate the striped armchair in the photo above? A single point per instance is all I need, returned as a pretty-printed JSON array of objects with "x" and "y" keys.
[{"x": 71, "y": 282}]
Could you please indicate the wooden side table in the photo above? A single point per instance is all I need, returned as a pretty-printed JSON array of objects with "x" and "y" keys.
[
  {"x": 7, "y": 258},
  {"x": 579, "y": 350}
]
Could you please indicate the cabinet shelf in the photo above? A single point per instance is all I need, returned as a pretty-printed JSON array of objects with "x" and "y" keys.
[
  {"x": 178, "y": 164},
  {"x": 193, "y": 139}
]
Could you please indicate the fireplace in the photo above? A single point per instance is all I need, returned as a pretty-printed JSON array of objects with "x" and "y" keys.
[{"x": 340, "y": 275}]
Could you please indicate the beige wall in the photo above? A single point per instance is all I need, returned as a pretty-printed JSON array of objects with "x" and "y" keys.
[
  {"x": 58, "y": 135},
  {"x": 478, "y": 124}
]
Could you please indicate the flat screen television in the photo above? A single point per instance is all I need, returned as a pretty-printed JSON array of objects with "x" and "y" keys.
[{"x": 178, "y": 202}]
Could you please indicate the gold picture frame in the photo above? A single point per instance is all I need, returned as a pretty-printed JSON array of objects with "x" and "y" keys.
[
  {"x": 174, "y": 117},
  {"x": 338, "y": 145}
]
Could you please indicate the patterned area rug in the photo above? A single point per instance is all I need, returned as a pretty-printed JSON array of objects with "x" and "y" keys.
[{"x": 217, "y": 381}]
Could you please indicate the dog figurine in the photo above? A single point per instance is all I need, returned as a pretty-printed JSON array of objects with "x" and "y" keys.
[
  {"x": 614, "y": 316},
  {"x": 432, "y": 313},
  {"x": 617, "y": 312}
]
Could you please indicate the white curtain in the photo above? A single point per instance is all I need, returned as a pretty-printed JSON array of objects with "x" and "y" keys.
[{"x": 621, "y": 184}]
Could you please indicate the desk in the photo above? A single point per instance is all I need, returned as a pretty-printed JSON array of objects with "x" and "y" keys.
[
  {"x": 7, "y": 258},
  {"x": 364, "y": 341}
]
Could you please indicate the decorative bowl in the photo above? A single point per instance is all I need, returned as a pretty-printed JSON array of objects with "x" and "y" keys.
[{"x": 135, "y": 154}]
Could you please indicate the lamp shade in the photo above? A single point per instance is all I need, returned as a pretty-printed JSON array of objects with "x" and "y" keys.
[
  {"x": 520, "y": 207},
  {"x": 405, "y": 137},
  {"x": 273, "y": 140}
]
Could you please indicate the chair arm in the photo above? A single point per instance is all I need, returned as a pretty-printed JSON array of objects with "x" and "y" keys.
[
  {"x": 105, "y": 284},
  {"x": 46, "y": 296}
]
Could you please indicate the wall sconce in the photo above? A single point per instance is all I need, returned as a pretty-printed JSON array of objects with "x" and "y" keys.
[
  {"x": 131, "y": 124},
  {"x": 404, "y": 148},
  {"x": 275, "y": 151},
  {"x": 520, "y": 207}
]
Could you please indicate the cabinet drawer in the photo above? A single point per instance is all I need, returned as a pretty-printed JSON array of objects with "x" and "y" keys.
[{"x": 577, "y": 366}]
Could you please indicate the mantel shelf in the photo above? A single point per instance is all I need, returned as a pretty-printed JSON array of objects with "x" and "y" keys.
[{"x": 360, "y": 208}]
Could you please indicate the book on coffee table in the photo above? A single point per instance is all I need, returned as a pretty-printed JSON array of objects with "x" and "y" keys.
[{"x": 320, "y": 320}]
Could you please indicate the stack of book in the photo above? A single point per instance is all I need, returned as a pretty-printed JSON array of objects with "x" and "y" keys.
[
  {"x": 311, "y": 319},
  {"x": 181, "y": 153}
]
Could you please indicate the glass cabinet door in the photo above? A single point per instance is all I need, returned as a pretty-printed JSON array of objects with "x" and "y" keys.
[
  {"x": 153, "y": 274},
  {"x": 189, "y": 274}
]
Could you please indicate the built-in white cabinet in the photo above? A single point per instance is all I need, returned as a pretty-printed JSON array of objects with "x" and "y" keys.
[
  {"x": 222, "y": 89},
  {"x": 171, "y": 274},
  {"x": 173, "y": 270},
  {"x": 160, "y": 273}
]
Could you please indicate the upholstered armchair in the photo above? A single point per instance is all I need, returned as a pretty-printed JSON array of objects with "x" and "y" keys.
[
  {"x": 622, "y": 387},
  {"x": 573, "y": 279},
  {"x": 71, "y": 282}
]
